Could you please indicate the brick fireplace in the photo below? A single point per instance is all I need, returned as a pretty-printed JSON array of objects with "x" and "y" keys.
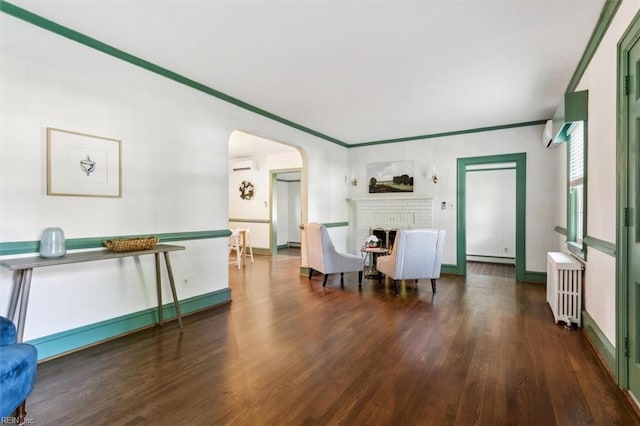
[{"x": 391, "y": 212}]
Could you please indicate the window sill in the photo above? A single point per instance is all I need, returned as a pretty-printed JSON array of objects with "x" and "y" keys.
[{"x": 578, "y": 249}]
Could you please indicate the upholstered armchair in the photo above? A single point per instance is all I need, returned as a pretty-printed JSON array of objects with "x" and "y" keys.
[
  {"x": 417, "y": 254},
  {"x": 17, "y": 371},
  {"x": 323, "y": 257}
]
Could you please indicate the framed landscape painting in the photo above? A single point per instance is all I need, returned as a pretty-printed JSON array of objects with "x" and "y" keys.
[
  {"x": 82, "y": 165},
  {"x": 393, "y": 176}
]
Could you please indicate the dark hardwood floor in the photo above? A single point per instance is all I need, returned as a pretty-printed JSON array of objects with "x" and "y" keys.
[
  {"x": 483, "y": 351},
  {"x": 492, "y": 269}
]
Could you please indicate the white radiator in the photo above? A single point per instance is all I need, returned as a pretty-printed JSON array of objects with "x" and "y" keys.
[{"x": 564, "y": 287}]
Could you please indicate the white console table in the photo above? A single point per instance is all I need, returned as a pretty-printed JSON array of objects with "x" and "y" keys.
[{"x": 23, "y": 270}]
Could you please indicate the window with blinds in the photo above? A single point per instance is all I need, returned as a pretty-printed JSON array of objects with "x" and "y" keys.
[
  {"x": 576, "y": 137},
  {"x": 576, "y": 153}
]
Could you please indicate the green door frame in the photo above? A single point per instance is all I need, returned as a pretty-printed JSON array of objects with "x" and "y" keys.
[
  {"x": 521, "y": 194},
  {"x": 631, "y": 36}
]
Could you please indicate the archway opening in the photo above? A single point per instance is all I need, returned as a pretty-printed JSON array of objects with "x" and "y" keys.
[{"x": 259, "y": 200}]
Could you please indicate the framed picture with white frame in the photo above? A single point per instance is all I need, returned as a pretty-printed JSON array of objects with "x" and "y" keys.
[{"x": 83, "y": 165}]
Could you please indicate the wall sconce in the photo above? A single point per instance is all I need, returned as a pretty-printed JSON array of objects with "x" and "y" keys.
[
  {"x": 434, "y": 175},
  {"x": 354, "y": 180}
]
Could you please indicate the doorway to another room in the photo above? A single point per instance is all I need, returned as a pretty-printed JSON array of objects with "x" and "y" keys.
[
  {"x": 266, "y": 188},
  {"x": 474, "y": 174},
  {"x": 286, "y": 220},
  {"x": 491, "y": 219}
]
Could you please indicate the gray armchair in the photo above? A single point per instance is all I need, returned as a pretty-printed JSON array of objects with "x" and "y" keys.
[
  {"x": 323, "y": 257},
  {"x": 417, "y": 254}
]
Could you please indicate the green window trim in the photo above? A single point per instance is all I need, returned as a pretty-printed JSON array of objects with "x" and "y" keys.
[{"x": 576, "y": 110}]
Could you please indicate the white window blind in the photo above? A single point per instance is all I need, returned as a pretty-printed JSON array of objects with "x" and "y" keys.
[{"x": 576, "y": 153}]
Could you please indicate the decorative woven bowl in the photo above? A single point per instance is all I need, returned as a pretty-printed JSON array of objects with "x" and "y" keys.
[{"x": 130, "y": 244}]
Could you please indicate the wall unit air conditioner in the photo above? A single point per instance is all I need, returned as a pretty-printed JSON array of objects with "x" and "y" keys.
[
  {"x": 547, "y": 135},
  {"x": 574, "y": 107},
  {"x": 240, "y": 165}
]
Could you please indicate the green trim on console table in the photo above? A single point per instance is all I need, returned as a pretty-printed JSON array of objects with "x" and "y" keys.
[
  {"x": 599, "y": 341},
  {"x": 21, "y": 247},
  {"x": 606, "y": 16},
  {"x": 66, "y": 32},
  {"x": 70, "y": 340},
  {"x": 561, "y": 230},
  {"x": 604, "y": 246}
]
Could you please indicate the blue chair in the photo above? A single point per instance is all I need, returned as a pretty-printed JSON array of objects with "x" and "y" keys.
[{"x": 17, "y": 371}]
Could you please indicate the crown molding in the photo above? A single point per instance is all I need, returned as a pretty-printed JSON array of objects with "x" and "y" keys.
[{"x": 606, "y": 16}]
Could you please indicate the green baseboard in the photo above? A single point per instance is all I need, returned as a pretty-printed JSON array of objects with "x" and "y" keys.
[
  {"x": 450, "y": 269},
  {"x": 535, "y": 277},
  {"x": 70, "y": 340},
  {"x": 600, "y": 342}
]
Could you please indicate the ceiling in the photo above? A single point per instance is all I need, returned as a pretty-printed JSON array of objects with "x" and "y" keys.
[
  {"x": 357, "y": 71},
  {"x": 246, "y": 145}
]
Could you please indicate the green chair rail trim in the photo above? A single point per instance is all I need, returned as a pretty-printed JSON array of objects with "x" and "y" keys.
[
  {"x": 60, "y": 343},
  {"x": 599, "y": 341},
  {"x": 600, "y": 245},
  {"x": 561, "y": 230},
  {"x": 606, "y": 16},
  {"x": 330, "y": 224},
  {"x": 335, "y": 224},
  {"x": 234, "y": 219},
  {"x": 76, "y": 36},
  {"x": 21, "y": 247}
]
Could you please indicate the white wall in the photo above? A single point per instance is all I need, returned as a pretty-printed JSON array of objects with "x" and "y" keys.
[
  {"x": 491, "y": 213},
  {"x": 174, "y": 173},
  {"x": 444, "y": 152},
  {"x": 600, "y": 79}
]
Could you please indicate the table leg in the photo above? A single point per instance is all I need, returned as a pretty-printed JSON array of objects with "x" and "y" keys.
[
  {"x": 158, "y": 287},
  {"x": 243, "y": 237},
  {"x": 173, "y": 289},
  {"x": 24, "y": 301},
  {"x": 15, "y": 293}
]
